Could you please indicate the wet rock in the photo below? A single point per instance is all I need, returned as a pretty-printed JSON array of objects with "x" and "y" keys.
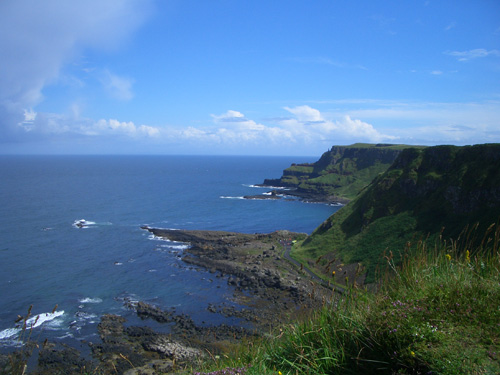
[
  {"x": 153, "y": 368},
  {"x": 172, "y": 349},
  {"x": 54, "y": 359}
]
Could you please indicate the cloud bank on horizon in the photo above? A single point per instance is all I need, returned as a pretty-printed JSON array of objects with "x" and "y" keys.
[{"x": 289, "y": 78}]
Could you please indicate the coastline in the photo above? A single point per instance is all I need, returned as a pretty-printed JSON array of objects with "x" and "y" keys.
[
  {"x": 255, "y": 264},
  {"x": 269, "y": 289},
  {"x": 283, "y": 192}
]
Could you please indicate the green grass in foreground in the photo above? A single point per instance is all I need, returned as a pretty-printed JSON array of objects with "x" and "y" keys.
[{"x": 439, "y": 313}]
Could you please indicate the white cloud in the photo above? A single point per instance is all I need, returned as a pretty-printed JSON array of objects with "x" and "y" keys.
[
  {"x": 49, "y": 124},
  {"x": 233, "y": 126},
  {"x": 311, "y": 124},
  {"x": 473, "y": 54},
  {"x": 37, "y": 38},
  {"x": 118, "y": 87},
  {"x": 229, "y": 116},
  {"x": 114, "y": 127},
  {"x": 433, "y": 122},
  {"x": 305, "y": 113},
  {"x": 150, "y": 131},
  {"x": 305, "y": 130}
]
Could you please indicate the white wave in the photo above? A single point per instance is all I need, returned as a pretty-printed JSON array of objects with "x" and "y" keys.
[
  {"x": 152, "y": 237},
  {"x": 90, "y": 300},
  {"x": 66, "y": 336},
  {"x": 158, "y": 238},
  {"x": 226, "y": 197},
  {"x": 33, "y": 322},
  {"x": 268, "y": 187},
  {"x": 82, "y": 223},
  {"x": 9, "y": 332},
  {"x": 39, "y": 319},
  {"x": 85, "y": 316},
  {"x": 176, "y": 246}
]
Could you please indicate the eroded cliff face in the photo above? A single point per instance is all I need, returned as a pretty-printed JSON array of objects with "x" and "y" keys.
[
  {"x": 445, "y": 180},
  {"x": 426, "y": 192},
  {"x": 341, "y": 172}
]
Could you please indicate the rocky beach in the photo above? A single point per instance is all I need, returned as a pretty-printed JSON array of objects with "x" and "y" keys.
[{"x": 269, "y": 289}]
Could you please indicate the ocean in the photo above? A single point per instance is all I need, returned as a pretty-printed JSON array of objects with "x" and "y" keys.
[{"x": 47, "y": 260}]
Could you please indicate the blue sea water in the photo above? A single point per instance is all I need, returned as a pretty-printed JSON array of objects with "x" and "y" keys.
[{"x": 46, "y": 260}]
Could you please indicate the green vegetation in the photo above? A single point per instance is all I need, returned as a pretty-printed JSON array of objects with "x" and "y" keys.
[
  {"x": 427, "y": 192},
  {"x": 434, "y": 303},
  {"x": 435, "y": 306},
  {"x": 438, "y": 313},
  {"x": 342, "y": 172}
]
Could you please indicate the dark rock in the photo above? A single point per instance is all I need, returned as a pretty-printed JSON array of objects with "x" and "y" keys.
[
  {"x": 172, "y": 350},
  {"x": 54, "y": 359}
]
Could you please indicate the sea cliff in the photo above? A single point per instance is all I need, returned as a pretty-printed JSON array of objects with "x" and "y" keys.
[
  {"x": 340, "y": 173},
  {"x": 426, "y": 192}
]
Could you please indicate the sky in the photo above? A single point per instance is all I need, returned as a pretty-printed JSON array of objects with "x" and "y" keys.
[{"x": 235, "y": 77}]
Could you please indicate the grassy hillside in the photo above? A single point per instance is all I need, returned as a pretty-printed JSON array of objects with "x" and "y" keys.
[
  {"x": 341, "y": 172},
  {"x": 424, "y": 191},
  {"x": 437, "y": 313},
  {"x": 436, "y": 308}
]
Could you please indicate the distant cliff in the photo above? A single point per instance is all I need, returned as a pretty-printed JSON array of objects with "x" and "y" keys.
[
  {"x": 425, "y": 192},
  {"x": 341, "y": 173}
]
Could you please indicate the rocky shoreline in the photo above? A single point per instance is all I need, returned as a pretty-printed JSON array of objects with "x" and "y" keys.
[
  {"x": 305, "y": 196},
  {"x": 270, "y": 290}
]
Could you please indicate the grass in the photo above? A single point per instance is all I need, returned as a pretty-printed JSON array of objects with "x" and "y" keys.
[
  {"x": 342, "y": 171},
  {"x": 424, "y": 191},
  {"x": 436, "y": 313}
]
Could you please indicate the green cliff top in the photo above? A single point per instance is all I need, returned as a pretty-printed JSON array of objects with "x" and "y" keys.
[{"x": 426, "y": 192}]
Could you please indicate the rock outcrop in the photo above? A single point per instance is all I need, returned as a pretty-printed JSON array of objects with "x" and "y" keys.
[{"x": 339, "y": 174}]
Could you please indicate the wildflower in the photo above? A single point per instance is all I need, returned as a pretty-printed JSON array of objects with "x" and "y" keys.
[
  {"x": 467, "y": 256},
  {"x": 279, "y": 373},
  {"x": 412, "y": 353},
  {"x": 333, "y": 274},
  {"x": 448, "y": 256}
]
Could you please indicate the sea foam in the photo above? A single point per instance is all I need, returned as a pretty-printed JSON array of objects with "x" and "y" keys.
[
  {"x": 33, "y": 322},
  {"x": 90, "y": 300}
]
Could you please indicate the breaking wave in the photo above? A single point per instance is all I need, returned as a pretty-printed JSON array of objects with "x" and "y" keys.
[{"x": 31, "y": 323}]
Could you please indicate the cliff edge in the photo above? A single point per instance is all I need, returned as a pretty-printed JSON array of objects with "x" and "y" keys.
[
  {"x": 340, "y": 174},
  {"x": 426, "y": 193}
]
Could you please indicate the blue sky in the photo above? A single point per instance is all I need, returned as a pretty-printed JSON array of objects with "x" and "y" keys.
[{"x": 281, "y": 77}]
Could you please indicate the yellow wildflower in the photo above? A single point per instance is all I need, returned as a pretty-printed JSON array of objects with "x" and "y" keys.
[
  {"x": 467, "y": 256},
  {"x": 412, "y": 353},
  {"x": 448, "y": 256},
  {"x": 333, "y": 274}
]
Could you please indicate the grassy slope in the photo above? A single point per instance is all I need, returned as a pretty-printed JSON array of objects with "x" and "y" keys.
[
  {"x": 438, "y": 313},
  {"x": 437, "y": 309},
  {"x": 423, "y": 191},
  {"x": 342, "y": 171}
]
